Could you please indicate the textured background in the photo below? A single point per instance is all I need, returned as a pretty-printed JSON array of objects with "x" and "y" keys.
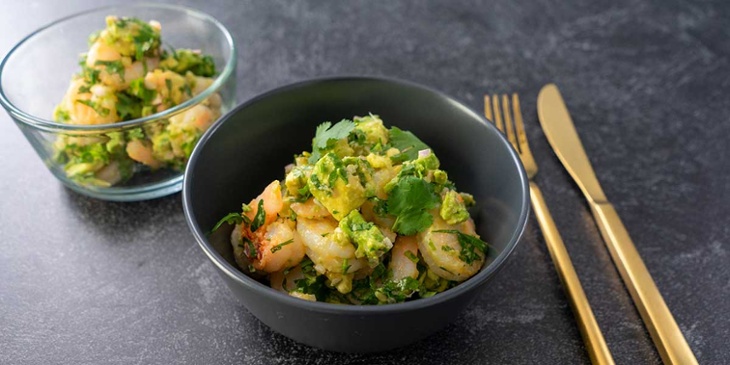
[{"x": 89, "y": 282}]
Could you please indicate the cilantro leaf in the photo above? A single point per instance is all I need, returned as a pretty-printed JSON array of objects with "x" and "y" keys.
[
  {"x": 325, "y": 137},
  {"x": 281, "y": 245},
  {"x": 409, "y": 201},
  {"x": 259, "y": 218},
  {"x": 469, "y": 244},
  {"x": 230, "y": 218},
  {"x": 407, "y": 143}
]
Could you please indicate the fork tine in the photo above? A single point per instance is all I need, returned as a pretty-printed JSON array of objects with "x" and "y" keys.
[
  {"x": 519, "y": 124},
  {"x": 509, "y": 127},
  {"x": 488, "y": 108},
  {"x": 497, "y": 113}
]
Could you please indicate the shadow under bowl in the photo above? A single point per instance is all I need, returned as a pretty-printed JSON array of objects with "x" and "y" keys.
[{"x": 249, "y": 147}]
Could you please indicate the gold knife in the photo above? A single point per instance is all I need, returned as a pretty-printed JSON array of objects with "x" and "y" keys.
[{"x": 560, "y": 132}]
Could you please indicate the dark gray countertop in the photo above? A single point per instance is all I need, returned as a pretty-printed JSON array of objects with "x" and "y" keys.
[{"x": 90, "y": 282}]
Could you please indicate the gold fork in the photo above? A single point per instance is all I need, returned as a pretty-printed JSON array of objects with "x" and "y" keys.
[{"x": 515, "y": 132}]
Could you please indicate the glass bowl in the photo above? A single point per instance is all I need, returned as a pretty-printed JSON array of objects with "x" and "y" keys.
[{"x": 94, "y": 160}]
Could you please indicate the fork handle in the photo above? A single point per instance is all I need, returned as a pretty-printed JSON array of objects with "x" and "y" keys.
[
  {"x": 670, "y": 343},
  {"x": 592, "y": 336}
]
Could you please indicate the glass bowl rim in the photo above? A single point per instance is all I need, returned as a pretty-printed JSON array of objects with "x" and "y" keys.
[{"x": 53, "y": 126}]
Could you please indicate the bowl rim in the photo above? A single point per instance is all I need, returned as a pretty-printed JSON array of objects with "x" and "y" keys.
[
  {"x": 321, "y": 307},
  {"x": 53, "y": 126}
]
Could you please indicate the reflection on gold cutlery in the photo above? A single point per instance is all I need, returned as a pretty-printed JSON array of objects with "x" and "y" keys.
[
  {"x": 560, "y": 132},
  {"x": 513, "y": 127}
]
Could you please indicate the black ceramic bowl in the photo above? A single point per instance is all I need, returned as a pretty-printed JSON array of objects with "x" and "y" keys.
[{"x": 249, "y": 147}]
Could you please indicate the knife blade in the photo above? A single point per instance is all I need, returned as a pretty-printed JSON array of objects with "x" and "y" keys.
[{"x": 562, "y": 136}]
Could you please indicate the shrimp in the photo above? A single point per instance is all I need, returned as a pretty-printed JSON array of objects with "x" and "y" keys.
[
  {"x": 275, "y": 245},
  {"x": 141, "y": 151},
  {"x": 440, "y": 250},
  {"x": 98, "y": 106},
  {"x": 199, "y": 117},
  {"x": 286, "y": 281},
  {"x": 110, "y": 173},
  {"x": 100, "y": 51},
  {"x": 404, "y": 253},
  {"x": 331, "y": 251},
  {"x": 132, "y": 71},
  {"x": 310, "y": 209},
  {"x": 169, "y": 85}
]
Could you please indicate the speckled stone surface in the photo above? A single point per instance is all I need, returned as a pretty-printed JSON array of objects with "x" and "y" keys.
[{"x": 90, "y": 282}]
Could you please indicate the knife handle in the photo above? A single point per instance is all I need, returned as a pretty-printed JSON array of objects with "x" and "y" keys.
[
  {"x": 592, "y": 336},
  {"x": 668, "y": 339}
]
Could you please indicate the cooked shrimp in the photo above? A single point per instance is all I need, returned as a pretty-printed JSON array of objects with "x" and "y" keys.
[
  {"x": 132, "y": 71},
  {"x": 331, "y": 252},
  {"x": 141, "y": 151},
  {"x": 275, "y": 244},
  {"x": 404, "y": 254},
  {"x": 278, "y": 246},
  {"x": 273, "y": 203},
  {"x": 440, "y": 251},
  {"x": 95, "y": 107},
  {"x": 110, "y": 173},
  {"x": 100, "y": 51},
  {"x": 199, "y": 117},
  {"x": 169, "y": 85},
  {"x": 310, "y": 209}
]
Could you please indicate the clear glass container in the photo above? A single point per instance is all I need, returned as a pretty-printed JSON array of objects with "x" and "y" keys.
[{"x": 35, "y": 75}]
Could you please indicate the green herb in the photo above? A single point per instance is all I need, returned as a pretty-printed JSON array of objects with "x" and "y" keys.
[
  {"x": 230, "y": 218},
  {"x": 97, "y": 108},
  {"x": 446, "y": 248},
  {"x": 136, "y": 133},
  {"x": 410, "y": 199},
  {"x": 84, "y": 89},
  {"x": 260, "y": 217},
  {"x": 128, "y": 107},
  {"x": 345, "y": 265},
  {"x": 407, "y": 143},
  {"x": 325, "y": 137},
  {"x": 411, "y": 256},
  {"x": 112, "y": 67},
  {"x": 137, "y": 88},
  {"x": 469, "y": 245},
  {"x": 281, "y": 245},
  {"x": 168, "y": 84}
]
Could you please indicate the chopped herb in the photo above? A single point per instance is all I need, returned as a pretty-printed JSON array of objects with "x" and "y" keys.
[
  {"x": 112, "y": 67},
  {"x": 345, "y": 265},
  {"x": 260, "y": 217},
  {"x": 411, "y": 256},
  {"x": 446, "y": 248},
  {"x": 325, "y": 137},
  {"x": 469, "y": 245},
  {"x": 252, "y": 252},
  {"x": 97, "y": 108},
  {"x": 230, "y": 218},
  {"x": 281, "y": 245}
]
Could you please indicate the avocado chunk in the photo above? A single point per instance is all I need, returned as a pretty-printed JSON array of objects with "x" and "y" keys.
[
  {"x": 453, "y": 210},
  {"x": 336, "y": 186},
  {"x": 370, "y": 242},
  {"x": 372, "y": 128}
]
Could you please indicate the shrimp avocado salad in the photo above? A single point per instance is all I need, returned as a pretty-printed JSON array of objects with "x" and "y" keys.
[
  {"x": 125, "y": 75},
  {"x": 366, "y": 217}
]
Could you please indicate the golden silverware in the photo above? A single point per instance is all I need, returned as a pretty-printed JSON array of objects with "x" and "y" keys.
[
  {"x": 560, "y": 132},
  {"x": 592, "y": 336}
]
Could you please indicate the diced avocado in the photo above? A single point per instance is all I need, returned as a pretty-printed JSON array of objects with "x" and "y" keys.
[
  {"x": 131, "y": 37},
  {"x": 423, "y": 164},
  {"x": 297, "y": 179},
  {"x": 370, "y": 242},
  {"x": 184, "y": 60},
  {"x": 363, "y": 170},
  {"x": 453, "y": 210},
  {"x": 373, "y": 129},
  {"x": 337, "y": 189}
]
